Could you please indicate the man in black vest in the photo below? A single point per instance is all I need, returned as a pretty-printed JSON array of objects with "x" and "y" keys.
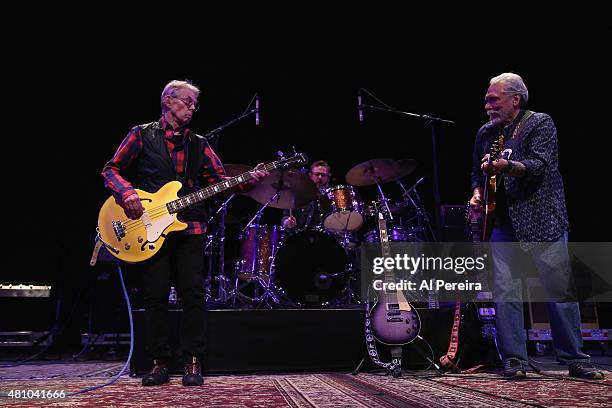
[
  {"x": 154, "y": 154},
  {"x": 530, "y": 211}
]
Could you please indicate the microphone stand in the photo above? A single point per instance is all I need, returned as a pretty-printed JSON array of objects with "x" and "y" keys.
[
  {"x": 221, "y": 233},
  {"x": 211, "y": 137},
  {"x": 431, "y": 122}
]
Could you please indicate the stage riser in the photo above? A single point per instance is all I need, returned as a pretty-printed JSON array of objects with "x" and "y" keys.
[{"x": 290, "y": 340}]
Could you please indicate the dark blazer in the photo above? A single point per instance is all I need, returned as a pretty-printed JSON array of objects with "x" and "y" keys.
[{"x": 536, "y": 201}]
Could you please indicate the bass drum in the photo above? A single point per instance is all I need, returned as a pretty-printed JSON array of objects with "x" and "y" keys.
[{"x": 311, "y": 268}]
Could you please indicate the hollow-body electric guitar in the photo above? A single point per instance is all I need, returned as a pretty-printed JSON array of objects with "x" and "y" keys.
[{"x": 138, "y": 240}]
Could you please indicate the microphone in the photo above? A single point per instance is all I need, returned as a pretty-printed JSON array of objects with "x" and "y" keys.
[
  {"x": 256, "y": 110},
  {"x": 359, "y": 106}
]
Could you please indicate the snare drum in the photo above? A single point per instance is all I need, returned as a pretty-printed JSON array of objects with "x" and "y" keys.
[
  {"x": 258, "y": 245},
  {"x": 344, "y": 212}
]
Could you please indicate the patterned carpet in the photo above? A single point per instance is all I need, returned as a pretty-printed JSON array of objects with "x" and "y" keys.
[{"x": 325, "y": 390}]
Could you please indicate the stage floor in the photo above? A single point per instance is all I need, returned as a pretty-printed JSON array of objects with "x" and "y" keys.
[{"x": 552, "y": 388}]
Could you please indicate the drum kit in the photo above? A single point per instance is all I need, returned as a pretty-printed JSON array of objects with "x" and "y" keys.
[{"x": 316, "y": 266}]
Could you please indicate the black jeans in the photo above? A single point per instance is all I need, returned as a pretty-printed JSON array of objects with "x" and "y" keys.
[{"x": 185, "y": 255}]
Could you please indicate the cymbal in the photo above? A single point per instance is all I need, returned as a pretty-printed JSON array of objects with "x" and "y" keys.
[
  {"x": 295, "y": 189},
  {"x": 232, "y": 170},
  {"x": 366, "y": 173},
  {"x": 406, "y": 166},
  {"x": 381, "y": 170}
]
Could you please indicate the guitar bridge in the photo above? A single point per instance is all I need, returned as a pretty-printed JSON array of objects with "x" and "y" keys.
[{"x": 119, "y": 229}]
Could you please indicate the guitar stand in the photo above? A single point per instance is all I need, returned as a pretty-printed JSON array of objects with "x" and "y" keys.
[
  {"x": 396, "y": 354},
  {"x": 396, "y": 357}
]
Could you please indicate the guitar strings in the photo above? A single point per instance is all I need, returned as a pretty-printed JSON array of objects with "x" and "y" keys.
[
  {"x": 159, "y": 211},
  {"x": 153, "y": 213}
]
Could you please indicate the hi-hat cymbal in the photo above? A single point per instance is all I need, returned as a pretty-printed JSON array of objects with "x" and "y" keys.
[
  {"x": 232, "y": 170},
  {"x": 294, "y": 187}
]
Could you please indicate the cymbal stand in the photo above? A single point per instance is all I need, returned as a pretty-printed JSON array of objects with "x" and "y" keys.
[
  {"x": 383, "y": 199},
  {"x": 422, "y": 217},
  {"x": 209, "y": 250},
  {"x": 222, "y": 278},
  {"x": 259, "y": 213}
]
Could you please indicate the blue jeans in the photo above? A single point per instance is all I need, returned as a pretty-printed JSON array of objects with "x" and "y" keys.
[{"x": 553, "y": 267}]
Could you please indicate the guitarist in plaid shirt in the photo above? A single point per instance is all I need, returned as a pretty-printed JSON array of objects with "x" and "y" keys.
[{"x": 150, "y": 156}]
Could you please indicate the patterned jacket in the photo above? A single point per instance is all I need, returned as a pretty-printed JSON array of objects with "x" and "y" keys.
[{"x": 536, "y": 201}]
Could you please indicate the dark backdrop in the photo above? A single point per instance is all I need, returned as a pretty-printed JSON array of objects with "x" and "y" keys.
[{"x": 74, "y": 105}]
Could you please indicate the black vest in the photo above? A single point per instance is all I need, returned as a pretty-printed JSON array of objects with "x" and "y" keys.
[{"x": 155, "y": 167}]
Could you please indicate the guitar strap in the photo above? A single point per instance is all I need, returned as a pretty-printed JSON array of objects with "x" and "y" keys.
[
  {"x": 96, "y": 251},
  {"x": 518, "y": 127},
  {"x": 447, "y": 359}
]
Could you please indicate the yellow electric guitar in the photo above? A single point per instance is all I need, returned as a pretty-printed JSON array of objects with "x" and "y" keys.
[{"x": 138, "y": 240}]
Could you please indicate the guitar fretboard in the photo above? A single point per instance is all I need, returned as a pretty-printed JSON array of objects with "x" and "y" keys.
[
  {"x": 386, "y": 251},
  {"x": 200, "y": 195}
]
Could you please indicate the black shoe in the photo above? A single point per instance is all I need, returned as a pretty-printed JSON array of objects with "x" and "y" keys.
[
  {"x": 158, "y": 375},
  {"x": 192, "y": 374},
  {"x": 585, "y": 370},
  {"x": 514, "y": 369}
]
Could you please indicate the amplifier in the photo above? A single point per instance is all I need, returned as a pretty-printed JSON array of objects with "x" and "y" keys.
[
  {"x": 24, "y": 290},
  {"x": 25, "y": 338}
]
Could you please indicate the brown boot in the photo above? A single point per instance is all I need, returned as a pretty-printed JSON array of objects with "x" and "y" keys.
[
  {"x": 192, "y": 374},
  {"x": 158, "y": 375}
]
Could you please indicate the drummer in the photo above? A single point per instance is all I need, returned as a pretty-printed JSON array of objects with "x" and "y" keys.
[{"x": 309, "y": 216}]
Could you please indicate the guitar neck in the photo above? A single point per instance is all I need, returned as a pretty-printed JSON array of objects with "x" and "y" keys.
[
  {"x": 385, "y": 248},
  {"x": 203, "y": 194}
]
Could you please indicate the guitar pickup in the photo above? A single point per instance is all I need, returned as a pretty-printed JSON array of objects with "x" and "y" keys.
[{"x": 393, "y": 309}]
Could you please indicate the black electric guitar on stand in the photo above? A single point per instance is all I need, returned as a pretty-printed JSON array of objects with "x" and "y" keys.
[{"x": 394, "y": 320}]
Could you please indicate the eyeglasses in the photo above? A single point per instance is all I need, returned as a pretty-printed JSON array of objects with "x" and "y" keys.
[{"x": 188, "y": 103}]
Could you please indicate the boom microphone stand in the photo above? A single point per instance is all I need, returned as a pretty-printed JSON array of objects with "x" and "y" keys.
[
  {"x": 431, "y": 123},
  {"x": 212, "y": 137}
]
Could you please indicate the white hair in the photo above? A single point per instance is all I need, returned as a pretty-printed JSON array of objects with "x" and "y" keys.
[
  {"x": 173, "y": 86},
  {"x": 512, "y": 84}
]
